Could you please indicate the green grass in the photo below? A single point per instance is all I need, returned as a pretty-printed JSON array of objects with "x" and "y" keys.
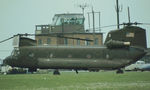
[{"x": 83, "y": 81}]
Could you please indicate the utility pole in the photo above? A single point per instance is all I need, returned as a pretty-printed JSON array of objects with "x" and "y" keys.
[
  {"x": 93, "y": 24},
  {"x": 93, "y": 18},
  {"x": 129, "y": 15},
  {"x": 117, "y": 10},
  {"x": 93, "y": 21},
  {"x": 89, "y": 20},
  {"x": 99, "y": 21}
]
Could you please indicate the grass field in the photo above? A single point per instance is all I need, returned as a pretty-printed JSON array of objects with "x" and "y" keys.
[{"x": 83, "y": 81}]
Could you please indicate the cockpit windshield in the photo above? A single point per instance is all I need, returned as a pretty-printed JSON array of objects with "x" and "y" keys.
[
  {"x": 15, "y": 52},
  {"x": 68, "y": 19}
]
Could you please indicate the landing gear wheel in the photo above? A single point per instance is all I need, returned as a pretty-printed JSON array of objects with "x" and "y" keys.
[
  {"x": 119, "y": 71},
  {"x": 76, "y": 71},
  {"x": 31, "y": 70},
  {"x": 56, "y": 72}
]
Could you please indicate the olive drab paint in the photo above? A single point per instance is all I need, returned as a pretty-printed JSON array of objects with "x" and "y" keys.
[{"x": 122, "y": 47}]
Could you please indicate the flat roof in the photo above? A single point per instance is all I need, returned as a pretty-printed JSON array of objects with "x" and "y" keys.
[
  {"x": 69, "y": 14},
  {"x": 65, "y": 34}
]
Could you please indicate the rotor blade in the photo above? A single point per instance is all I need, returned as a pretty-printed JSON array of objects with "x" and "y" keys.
[
  {"x": 56, "y": 35},
  {"x": 145, "y": 23},
  {"x": 103, "y": 27},
  {"x": 61, "y": 36},
  {"x": 108, "y": 26},
  {"x": 6, "y": 39},
  {"x": 135, "y": 23},
  {"x": 26, "y": 34},
  {"x": 76, "y": 38}
]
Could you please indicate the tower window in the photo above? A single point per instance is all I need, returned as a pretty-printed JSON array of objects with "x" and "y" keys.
[
  {"x": 39, "y": 42},
  {"x": 48, "y": 40},
  {"x": 78, "y": 42},
  {"x": 65, "y": 41},
  {"x": 96, "y": 41},
  {"x": 87, "y": 42}
]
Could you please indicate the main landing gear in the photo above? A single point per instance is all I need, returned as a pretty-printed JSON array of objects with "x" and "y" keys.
[
  {"x": 56, "y": 72},
  {"x": 119, "y": 71},
  {"x": 32, "y": 70},
  {"x": 76, "y": 71}
]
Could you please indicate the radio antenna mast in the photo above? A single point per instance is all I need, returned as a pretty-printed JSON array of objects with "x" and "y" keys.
[
  {"x": 83, "y": 6},
  {"x": 117, "y": 10},
  {"x": 129, "y": 14}
]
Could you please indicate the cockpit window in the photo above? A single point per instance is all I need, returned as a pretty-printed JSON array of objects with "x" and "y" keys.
[{"x": 15, "y": 52}]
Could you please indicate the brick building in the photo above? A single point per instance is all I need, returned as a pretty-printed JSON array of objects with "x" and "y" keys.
[{"x": 63, "y": 28}]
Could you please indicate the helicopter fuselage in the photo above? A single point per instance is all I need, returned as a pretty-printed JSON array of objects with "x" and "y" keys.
[{"x": 73, "y": 57}]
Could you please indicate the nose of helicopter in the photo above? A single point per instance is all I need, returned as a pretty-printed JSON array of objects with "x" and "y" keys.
[{"x": 7, "y": 60}]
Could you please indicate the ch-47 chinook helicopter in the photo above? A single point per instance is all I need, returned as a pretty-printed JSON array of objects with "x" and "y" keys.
[{"x": 122, "y": 47}]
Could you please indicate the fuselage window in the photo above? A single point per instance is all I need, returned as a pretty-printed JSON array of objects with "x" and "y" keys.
[
  {"x": 88, "y": 56},
  {"x": 109, "y": 35},
  {"x": 31, "y": 54},
  {"x": 51, "y": 55},
  {"x": 107, "y": 56},
  {"x": 69, "y": 56}
]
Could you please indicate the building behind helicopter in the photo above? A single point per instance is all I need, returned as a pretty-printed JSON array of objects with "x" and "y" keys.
[{"x": 67, "y": 25}]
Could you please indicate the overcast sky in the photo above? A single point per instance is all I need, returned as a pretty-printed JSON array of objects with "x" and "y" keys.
[{"x": 21, "y": 16}]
